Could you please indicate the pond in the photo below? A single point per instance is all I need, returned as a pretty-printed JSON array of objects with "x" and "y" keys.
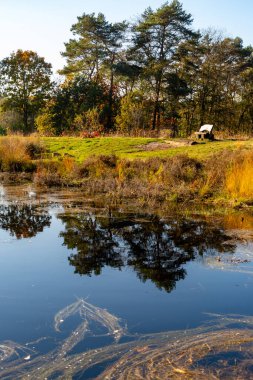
[{"x": 90, "y": 291}]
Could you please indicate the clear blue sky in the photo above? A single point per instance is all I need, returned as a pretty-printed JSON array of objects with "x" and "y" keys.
[{"x": 44, "y": 25}]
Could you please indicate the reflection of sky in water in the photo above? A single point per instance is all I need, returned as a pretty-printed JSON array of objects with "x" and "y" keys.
[
  {"x": 36, "y": 281},
  {"x": 36, "y": 272}
]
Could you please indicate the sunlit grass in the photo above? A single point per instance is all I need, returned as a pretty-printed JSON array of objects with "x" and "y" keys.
[
  {"x": 131, "y": 148},
  {"x": 239, "y": 179},
  {"x": 83, "y": 148}
]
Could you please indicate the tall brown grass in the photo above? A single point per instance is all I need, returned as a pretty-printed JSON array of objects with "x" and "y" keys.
[
  {"x": 239, "y": 176},
  {"x": 17, "y": 153}
]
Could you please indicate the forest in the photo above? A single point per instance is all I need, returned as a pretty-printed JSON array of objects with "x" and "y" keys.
[{"x": 132, "y": 79}]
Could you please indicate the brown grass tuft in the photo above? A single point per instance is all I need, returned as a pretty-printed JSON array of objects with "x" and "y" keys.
[
  {"x": 16, "y": 153},
  {"x": 239, "y": 178}
]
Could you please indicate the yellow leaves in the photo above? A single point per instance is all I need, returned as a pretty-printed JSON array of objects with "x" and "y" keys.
[{"x": 25, "y": 56}]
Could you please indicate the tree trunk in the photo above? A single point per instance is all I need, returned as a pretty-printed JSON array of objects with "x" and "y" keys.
[
  {"x": 155, "y": 116},
  {"x": 110, "y": 103},
  {"x": 156, "y": 112},
  {"x": 110, "y": 100},
  {"x": 25, "y": 118}
]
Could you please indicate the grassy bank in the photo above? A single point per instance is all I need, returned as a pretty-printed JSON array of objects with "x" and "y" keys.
[
  {"x": 150, "y": 169},
  {"x": 127, "y": 147}
]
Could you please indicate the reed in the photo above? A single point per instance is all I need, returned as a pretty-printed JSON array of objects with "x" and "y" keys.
[
  {"x": 17, "y": 153},
  {"x": 239, "y": 177}
]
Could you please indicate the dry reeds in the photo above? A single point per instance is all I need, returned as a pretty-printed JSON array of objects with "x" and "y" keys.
[
  {"x": 149, "y": 180},
  {"x": 216, "y": 350},
  {"x": 17, "y": 153},
  {"x": 239, "y": 178}
]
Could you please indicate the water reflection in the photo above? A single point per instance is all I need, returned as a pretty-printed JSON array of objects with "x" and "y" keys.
[
  {"x": 96, "y": 245},
  {"x": 155, "y": 248},
  {"x": 23, "y": 221}
]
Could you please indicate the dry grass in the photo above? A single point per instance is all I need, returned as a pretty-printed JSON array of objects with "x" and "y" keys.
[
  {"x": 47, "y": 174},
  {"x": 229, "y": 174},
  {"x": 239, "y": 178},
  {"x": 179, "y": 178},
  {"x": 98, "y": 166},
  {"x": 16, "y": 153}
]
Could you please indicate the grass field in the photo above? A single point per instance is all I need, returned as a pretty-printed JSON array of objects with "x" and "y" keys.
[{"x": 131, "y": 148}]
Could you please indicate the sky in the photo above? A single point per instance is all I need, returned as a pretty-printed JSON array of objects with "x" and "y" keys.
[{"x": 44, "y": 25}]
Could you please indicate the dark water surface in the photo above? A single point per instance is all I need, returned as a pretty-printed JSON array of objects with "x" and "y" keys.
[{"x": 154, "y": 272}]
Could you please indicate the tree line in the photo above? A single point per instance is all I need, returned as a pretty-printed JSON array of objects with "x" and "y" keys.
[{"x": 158, "y": 73}]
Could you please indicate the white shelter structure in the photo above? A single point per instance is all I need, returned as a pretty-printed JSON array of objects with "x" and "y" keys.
[{"x": 205, "y": 132}]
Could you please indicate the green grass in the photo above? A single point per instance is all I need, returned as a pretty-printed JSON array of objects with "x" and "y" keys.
[
  {"x": 83, "y": 148},
  {"x": 126, "y": 147}
]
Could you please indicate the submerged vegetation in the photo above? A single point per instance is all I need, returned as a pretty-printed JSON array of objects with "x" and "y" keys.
[{"x": 215, "y": 350}]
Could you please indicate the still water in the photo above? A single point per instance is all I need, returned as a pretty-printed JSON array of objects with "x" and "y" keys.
[{"x": 76, "y": 278}]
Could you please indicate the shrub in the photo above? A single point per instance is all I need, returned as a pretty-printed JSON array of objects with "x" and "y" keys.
[
  {"x": 10, "y": 122},
  {"x": 44, "y": 124},
  {"x": 47, "y": 174},
  {"x": 88, "y": 123},
  {"x": 134, "y": 113},
  {"x": 34, "y": 149},
  {"x": 98, "y": 166},
  {"x": 183, "y": 168}
]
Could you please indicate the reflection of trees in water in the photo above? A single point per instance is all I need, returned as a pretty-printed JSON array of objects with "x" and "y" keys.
[
  {"x": 156, "y": 249},
  {"x": 159, "y": 249},
  {"x": 153, "y": 254},
  {"x": 23, "y": 221},
  {"x": 96, "y": 246}
]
